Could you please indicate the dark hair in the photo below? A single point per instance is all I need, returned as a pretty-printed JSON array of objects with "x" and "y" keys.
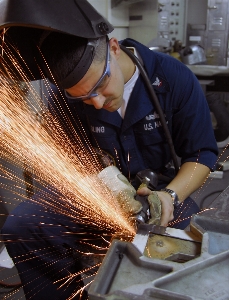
[{"x": 62, "y": 53}]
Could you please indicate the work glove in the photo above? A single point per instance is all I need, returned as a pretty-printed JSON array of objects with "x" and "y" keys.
[
  {"x": 119, "y": 185},
  {"x": 154, "y": 207}
]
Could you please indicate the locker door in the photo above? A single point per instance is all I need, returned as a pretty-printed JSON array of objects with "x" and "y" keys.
[
  {"x": 217, "y": 32},
  {"x": 217, "y": 14}
]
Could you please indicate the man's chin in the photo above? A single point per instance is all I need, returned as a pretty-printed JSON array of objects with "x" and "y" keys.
[{"x": 113, "y": 106}]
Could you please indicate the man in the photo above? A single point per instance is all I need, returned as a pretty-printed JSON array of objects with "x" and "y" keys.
[
  {"x": 117, "y": 101},
  {"x": 108, "y": 95}
]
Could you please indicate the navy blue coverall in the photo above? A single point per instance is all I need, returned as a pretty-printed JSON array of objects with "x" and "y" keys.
[{"x": 137, "y": 142}]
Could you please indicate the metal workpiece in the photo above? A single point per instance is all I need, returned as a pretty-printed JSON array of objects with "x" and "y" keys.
[{"x": 168, "y": 263}]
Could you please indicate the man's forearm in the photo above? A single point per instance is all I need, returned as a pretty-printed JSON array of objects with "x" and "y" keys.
[{"x": 189, "y": 178}]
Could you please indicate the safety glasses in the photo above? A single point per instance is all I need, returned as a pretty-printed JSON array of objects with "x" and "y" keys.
[{"x": 93, "y": 92}]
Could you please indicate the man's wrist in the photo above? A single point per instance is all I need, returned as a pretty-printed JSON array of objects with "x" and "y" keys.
[{"x": 175, "y": 200}]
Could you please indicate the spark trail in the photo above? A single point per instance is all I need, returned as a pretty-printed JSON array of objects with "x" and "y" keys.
[
  {"x": 33, "y": 140},
  {"x": 63, "y": 167},
  {"x": 55, "y": 162}
]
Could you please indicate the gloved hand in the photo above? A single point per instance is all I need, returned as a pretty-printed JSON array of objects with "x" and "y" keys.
[
  {"x": 155, "y": 209},
  {"x": 154, "y": 205},
  {"x": 122, "y": 189}
]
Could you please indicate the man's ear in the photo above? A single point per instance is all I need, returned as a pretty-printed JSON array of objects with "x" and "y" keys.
[{"x": 114, "y": 47}]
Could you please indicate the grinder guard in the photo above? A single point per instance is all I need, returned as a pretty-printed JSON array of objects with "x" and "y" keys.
[{"x": 22, "y": 23}]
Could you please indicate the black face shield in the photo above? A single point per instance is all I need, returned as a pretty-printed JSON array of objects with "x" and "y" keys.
[{"x": 23, "y": 22}]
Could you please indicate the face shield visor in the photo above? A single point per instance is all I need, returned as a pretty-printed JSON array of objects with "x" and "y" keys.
[{"x": 23, "y": 23}]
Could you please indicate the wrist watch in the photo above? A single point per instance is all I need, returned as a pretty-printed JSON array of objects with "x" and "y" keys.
[{"x": 175, "y": 199}]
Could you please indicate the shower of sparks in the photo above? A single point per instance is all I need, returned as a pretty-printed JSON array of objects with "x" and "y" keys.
[
  {"x": 33, "y": 140},
  {"x": 49, "y": 155}
]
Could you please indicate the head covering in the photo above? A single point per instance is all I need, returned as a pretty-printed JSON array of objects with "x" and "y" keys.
[{"x": 23, "y": 22}]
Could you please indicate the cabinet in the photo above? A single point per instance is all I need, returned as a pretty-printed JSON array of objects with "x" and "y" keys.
[{"x": 212, "y": 32}]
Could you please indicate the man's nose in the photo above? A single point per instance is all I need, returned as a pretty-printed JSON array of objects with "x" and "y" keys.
[{"x": 98, "y": 101}]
